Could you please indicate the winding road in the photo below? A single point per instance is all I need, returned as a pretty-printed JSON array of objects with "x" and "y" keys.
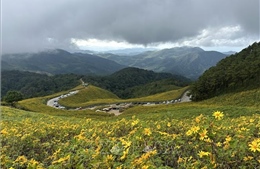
[{"x": 54, "y": 102}]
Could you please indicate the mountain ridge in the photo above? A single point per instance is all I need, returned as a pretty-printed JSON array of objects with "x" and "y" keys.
[{"x": 59, "y": 61}]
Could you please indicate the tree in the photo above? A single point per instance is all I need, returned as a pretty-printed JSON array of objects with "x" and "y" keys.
[{"x": 13, "y": 96}]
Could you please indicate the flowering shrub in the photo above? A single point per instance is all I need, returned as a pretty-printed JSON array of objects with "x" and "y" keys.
[{"x": 32, "y": 140}]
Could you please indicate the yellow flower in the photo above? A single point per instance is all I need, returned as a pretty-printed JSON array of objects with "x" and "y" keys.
[
  {"x": 180, "y": 160},
  {"x": 218, "y": 115},
  {"x": 203, "y": 134},
  {"x": 109, "y": 158},
  {"x": 169, "y": 124},
  {"x": 145, "y": 167},
  {"x": 61, "y": 159},
  {"x": 126, "y": 144},
  {"x": 135, "y": 122},
  {"x": 189, "y": 132},
  {"x": 198, "y": 118},
  {"x": 218, "y": 144},
  {"x": 228, "y": 139},
  {"x": 147, "y": 131},
  {"x": 21, "y": 160},
  {"x": 158, "y": 126},
  {"x": 254, "y": 145},
  {"x": 203, "y": 153},
  {"x": 124, "y": 154},
  {"x": 195, "y": 129},
  {"x": 4, "y": 132}
]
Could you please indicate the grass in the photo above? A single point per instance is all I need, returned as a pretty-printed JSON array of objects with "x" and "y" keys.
[
  {"x": 158, "y": 139},
  {"x": 95, "y": 96},
  {"x": 183, "y": 135}
]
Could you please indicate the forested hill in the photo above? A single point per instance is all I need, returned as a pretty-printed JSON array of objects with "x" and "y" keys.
[
  {"x": 237, "y": 72},
  {"x": 34, "y": 84},
  {"x": 123, "y": 81}
]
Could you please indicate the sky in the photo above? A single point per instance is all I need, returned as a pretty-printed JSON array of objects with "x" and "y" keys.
[{"x": 36, "y": 25}]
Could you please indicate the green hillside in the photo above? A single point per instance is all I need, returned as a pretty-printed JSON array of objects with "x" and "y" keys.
[
  {"x": 89, "y": 95},
  {"x": 219, "y": 132},
  {"x": 238, "y": 72},
  {"x": 133, "y": 82}
]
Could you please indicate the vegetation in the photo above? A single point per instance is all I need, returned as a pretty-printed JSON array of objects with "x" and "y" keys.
[
  {"x": 220, "y": 132},
  {"x": 235, "y": 73},
  {"x": 13, "y": 96},
  {"x": 133, "y": 82},
  {"x": 205, "y": 137},
  {"x": 34, "y": 84},
  {"x": 127, "y": 83},
  {"x": 95, "y": 96}
]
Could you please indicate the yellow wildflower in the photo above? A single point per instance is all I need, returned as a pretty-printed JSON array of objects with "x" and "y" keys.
[
  {"x": 179, "y": 160},
  {"x": 228, "y": 139},
  {"x": 21, "y": 160},
  {"x": 147, "y": 131},
  {"x": 61, "y": 159},
  {"x": 135, "y": 122},
  {"x": 124, "y": 154},
  {"x": 218, "y": 144},
  {"x": 158, "y": 126},
  {"x": 254, "y": 145},
  {"x": 203, "y": 134},
  {"x": 198, "y": 118},
  {"x": 189, "y": 132},
  {"x": 4, "y": 132},
  {"x": 218, "y": 115},
  {"x": 195, "y": 129},
  {"x": 169, "y": 124},
  {"x": 109, "y": 158},
  {"x": 126, "y": 144},
  {"x": 203, "y": 153}
]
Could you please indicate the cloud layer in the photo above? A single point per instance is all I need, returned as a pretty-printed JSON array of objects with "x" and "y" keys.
[{"x": 32, "y": 25}]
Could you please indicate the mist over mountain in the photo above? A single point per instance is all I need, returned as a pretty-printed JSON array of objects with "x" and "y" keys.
[
  {"x": 190, "y": 62},
  {"x": 60, "y": 62}
]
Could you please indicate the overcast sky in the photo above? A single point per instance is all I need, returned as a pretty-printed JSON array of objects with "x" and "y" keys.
[{"x": 32, "y": 25}]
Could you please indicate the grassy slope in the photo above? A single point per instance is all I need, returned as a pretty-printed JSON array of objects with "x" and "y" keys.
[
  {"x": 93, "y": 95},
  {"x": 234, "y": 105},
  {"x": 39, "y": 105}
]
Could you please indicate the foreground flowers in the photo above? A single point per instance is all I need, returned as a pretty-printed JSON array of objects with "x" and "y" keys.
[
  {"x": 218, "y": 115},
  {"x": 31, "y": 140},
  {"x": 255, "y": 145}
]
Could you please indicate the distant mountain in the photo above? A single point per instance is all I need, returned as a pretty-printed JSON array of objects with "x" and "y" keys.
[
  {"x": 229, "y": 53},
  {"x": 238, "y": 72},
  {"x": 129, "y": 51},
  {"x": 190, "y": 62},
  {"x": 60, "y": 62}
]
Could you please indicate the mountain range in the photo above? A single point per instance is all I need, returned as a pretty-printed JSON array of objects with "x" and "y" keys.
[
  {"x": 60, "y": 62},
  {"x": 189, "y": 62}
]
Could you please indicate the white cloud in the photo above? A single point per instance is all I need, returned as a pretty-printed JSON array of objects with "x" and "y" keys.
[{"x": 102, "y": 45}]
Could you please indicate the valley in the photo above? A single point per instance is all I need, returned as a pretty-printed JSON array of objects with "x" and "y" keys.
[{"x": 135, "y": 118}]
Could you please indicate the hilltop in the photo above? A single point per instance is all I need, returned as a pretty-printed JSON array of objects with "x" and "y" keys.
[{"x": 135, "y": 82}]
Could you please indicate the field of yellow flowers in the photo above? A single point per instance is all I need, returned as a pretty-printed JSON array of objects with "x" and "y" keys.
[{"x": 35, "y": 140}]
